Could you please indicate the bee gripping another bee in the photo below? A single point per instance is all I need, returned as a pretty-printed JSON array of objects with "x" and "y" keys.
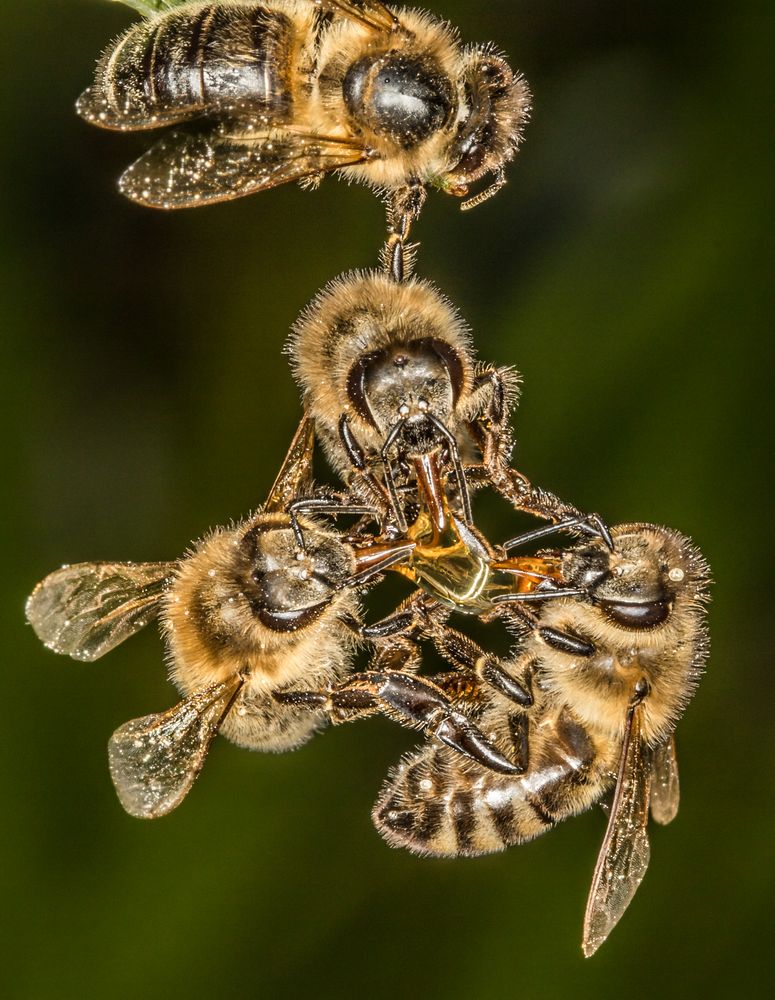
[
  {"x": 260, "y": 94},
  {"x": 263, "y": 621}
]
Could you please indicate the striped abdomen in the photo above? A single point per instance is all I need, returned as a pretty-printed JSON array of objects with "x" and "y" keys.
[
  {"x": 438, "y": 803},
  {"x": 206, "y": 59}
]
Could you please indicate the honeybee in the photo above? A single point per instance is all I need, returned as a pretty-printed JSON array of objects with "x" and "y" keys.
[
  {"x": 242, "y": 618},
  {"x": 390, "y": 379},
  {"x": 246, "y": 616},
  {"x": 391, "y": 100},
  {"x": 605, "y": 707}
]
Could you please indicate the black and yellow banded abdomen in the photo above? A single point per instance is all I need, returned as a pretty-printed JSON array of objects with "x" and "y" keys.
[{"x": 208, "y": 59}]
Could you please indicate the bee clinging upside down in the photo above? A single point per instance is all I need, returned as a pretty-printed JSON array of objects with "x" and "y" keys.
[
  {"x": 605, "y": 707},
  {"x": 280, "y": 93},
  {"x": 247, "y": 616},
  {"x": 389, "y": 377}
]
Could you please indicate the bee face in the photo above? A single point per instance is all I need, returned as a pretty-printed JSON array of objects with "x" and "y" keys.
[
  {"x": 380, "y": 352},
  {"x": 636, "y": 585},
  {"x": 290, "y": 589},
  {"x": 406, "y": 381},
  {"x": 499, "y": 102},
  {"x": 642, "y": 614}
]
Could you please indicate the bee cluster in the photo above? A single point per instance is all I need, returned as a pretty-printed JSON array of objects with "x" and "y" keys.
[{"x": 264, "y": 621}]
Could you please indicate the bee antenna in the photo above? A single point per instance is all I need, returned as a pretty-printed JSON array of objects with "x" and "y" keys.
[{"x": 494, "y": 188}]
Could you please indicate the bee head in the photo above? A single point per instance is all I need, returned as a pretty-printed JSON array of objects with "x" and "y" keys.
[
  {"x": 498, "y": 103},
  {"x": 644, "y": 622},
  {"x": 636, "y": 584},
  {"x": 288, "y": 589},
  {"x": 415, "y": 382},
  {"x": 382, "y": 353}
]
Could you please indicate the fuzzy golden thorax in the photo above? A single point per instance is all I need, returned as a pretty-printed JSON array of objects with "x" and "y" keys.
[
  {"x": 244, "y": 602},
  {"x": 644, "y": 615},
  {"x": 398, "y": 92},
  {"x": 378, "y": 351}
]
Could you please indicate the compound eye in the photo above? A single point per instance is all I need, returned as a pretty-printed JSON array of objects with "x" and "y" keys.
[
  {"x": 475, "y": 152},
  {"x": 637, "y": 616}
]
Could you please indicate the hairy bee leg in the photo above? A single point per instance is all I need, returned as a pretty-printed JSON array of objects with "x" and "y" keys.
[
  {"x": 418, "y": 702},
  {"x": 494, "y": 439},
  {"x": 469, "y": 656},
  {"x": 492, "y": 189},
  {"x": 491, "y": 430},
  {"x": 403, "y": 207},
  {"x": 412, "y": 701},
  {"x": 566, "y": 642}
]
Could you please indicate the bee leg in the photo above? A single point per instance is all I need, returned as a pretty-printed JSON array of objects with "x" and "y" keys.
[
  {"x": 468, "y": 656},
  {"x": 357, "y": 459},
  {"x": 403, "y": 207},
  {"x": 324, "y": 505},
  {"x": 491, "y": 403},
  {"x": 492, "y": 434},
  {"x": 412, "y": 701},
  {"x": 590, "y": 524},
  {"x": 419, "y": 703},
  {"x": 566, "y": 642}
]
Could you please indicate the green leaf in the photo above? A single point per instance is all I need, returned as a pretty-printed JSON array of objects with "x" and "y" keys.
[{"x": 148, "y": 8}]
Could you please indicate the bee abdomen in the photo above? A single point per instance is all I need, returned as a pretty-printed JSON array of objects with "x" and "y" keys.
[
  {"x": 207, "y": 60},
  {"x": 432, "y": 805}
]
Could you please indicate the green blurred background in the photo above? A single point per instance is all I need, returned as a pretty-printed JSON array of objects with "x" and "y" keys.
[{"x": 624, "y": 270}]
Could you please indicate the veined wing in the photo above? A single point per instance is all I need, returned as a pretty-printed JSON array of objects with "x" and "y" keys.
[
  {"x": 296, "y": 472},
  {"x": 85, "y": 610},
  {"x": 95, "y": 108},
  {"x": 184, "y": 170},
  {"x": 624, "y": 855},
  {"x": 665, "y": 787},
  {"x": 155, "y": 760}
]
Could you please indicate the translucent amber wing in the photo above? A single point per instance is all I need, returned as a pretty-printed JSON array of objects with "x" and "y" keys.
[
  {"x": 624, "y": 856},
  {"x": 665, "y": 787},
  {"x": 296, "y": 472},
  {"x": 155, "y": 760},
  {"x": 85, "y": 610},
  {"x": 184, "y": 170}
]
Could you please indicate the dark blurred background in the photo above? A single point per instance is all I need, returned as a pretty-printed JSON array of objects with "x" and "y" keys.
[{"x": 624, "y": 270}]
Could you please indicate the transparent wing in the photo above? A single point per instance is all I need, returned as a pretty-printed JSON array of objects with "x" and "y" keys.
[
  {"x": 296, "y": 472},
  {"x": 624, "y": 856},
  {"x": 665, "y": 788},
  {"x": 95, "y": 108},
  {"x": 155, "y": 760},
  {"x": 85, "y": 610},
  {"x": 370, "y": 13},
  {"x": 187, "y": 169}
]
